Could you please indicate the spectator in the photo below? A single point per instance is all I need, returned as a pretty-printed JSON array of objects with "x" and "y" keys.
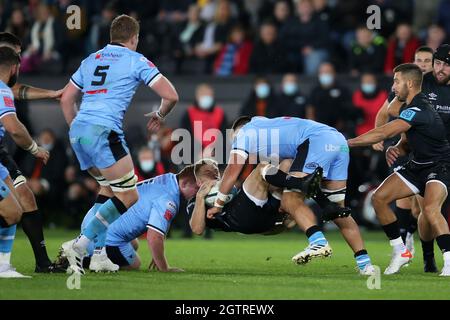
[
  {"x": 323, "y": 10},
  {"x": 205, "y": 114},
  {"x": 45, "y": 40},
  {"x": 281, "y": 13},
  {"x": 99, "y": 34},
  {"x": 401, "y": 48},
  {"x": 306, "y": 39},
  {"x": 291, "y": 101},
  {"x": 18, "y": 26},
  {"x": 443, "y": 18},
  {"x": 367, "y": 53},
  {"x": 234, "y": 57},
  {"x": 329, "y": 102},
  {"x": 47, "y": 181},
  {"x": 214, "y": 35},
  {"x": 187, "y": 35},
  {"x": 368, "y": 98},
  {"x": 268, "y": 55},
  {"x": 147, "y": 166},
  {"x": 262, "y": 100},
  {"x": 435, "y": 36}
]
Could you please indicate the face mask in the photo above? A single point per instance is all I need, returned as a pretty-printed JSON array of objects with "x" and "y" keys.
[
  {"x": 368, "y": 88},
  {"x": 326, "y": 79},
  {"x": 262, "y": 90},
  {"x": 290, "y": 88},
  {"x": 47, "y": 146},
  {"x": 206, "y": 102},
  {"x": 147, "y": 165}
]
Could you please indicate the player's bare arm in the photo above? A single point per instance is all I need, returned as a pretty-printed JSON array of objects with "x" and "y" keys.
[
  {"x": 26, "y": 92},
  {"x": 376, "y": 135},
  {"x": 399, "y": 150},
  {"x": 197, "y": 221},
  {"x": 68, "y": 100},
  {"x": 169, "y": 98},
  {"x": 380, "y": 120},
  {"x": 22, "y": 138},
  {"x": 155, "y": 242}
]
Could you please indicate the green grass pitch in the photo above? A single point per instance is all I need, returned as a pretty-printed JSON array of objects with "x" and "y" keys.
[{"x": 232, "y": 266}]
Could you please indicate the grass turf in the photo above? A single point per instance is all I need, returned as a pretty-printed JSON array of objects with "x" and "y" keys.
[{"x": 232, "y": 266}]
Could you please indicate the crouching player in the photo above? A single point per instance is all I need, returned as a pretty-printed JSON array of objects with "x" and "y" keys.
[{"x": 158, "y": 204}]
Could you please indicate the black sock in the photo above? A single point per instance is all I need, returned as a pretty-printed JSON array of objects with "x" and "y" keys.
[
  {"x": 443, "y": 242},
  {"x": 427, "y": 249},
  {"x": 312, "y": 230},
  {"x": 392, "y": 230},
  {"x": 119, "y": 205},
  {"x": 33, "y": 228},
  {"x": 278, "y": 178},
  {"x": 412, "y": 227},
  {"x": 403, "y": 220},
  {"x": 360, "y": 253},
  {"x": 101, "y": 199}
]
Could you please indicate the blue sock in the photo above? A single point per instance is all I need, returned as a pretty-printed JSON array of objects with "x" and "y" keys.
[
  {"x": 362, "y": 261},
  {"x": 100, "y": 240},
  {"x": 7, "y": 236},
  {"x": 108, "y": 212},
  {"x": 317, "y": 238}
]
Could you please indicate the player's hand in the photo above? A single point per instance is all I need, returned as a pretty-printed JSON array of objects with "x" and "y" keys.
[
  {"x": 42, "y": 154},
  {"x": 378, "y": 146},
  {"x": 154, "y": 123},
  {"x": 212, "y": 212},
  {"x": 56, "y": 94},
  {"x": 205, "y": 188},
  {"x": 392, "y": 153}
]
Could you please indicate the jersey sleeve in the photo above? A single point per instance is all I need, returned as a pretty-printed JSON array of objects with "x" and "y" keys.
[
  {"x": 242, "y": 144},
  {"x": 161, "y": 216},
  {"x": 77, "y": 77},
  {"x": 414, "y": 116},
  {"x": 6, "y": 102},
  {"x": 146, "y": 71}
]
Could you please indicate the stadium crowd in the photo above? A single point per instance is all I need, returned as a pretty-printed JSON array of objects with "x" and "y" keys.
[{"x": 318, "y": 38}]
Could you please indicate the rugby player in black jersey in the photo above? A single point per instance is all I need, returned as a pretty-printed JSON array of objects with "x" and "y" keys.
[{"x": 427, "y": 173}]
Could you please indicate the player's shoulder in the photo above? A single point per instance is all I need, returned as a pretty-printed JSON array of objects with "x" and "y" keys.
[{"x": 5, "y": 90}]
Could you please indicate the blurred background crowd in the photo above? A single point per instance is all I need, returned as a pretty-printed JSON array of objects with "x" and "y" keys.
[{"x": 297, "y": 55}]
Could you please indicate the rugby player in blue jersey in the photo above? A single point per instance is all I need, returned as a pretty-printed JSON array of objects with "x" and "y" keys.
[
  {"x": 311, "y": 145},
  {"x": 158, "y": 204},
  {"x": 108, "y": 80}
]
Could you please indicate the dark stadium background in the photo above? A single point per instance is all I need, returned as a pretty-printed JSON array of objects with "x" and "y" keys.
[{"x": 64, "y": 193}]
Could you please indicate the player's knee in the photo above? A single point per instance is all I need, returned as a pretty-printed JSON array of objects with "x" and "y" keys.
[
  {"x": 431, "y": 209},
  {"x": 12, "y": 215},
  {"x": 290, "y": 200},
  {"x": 379, "y": 199},
  {"x": 26, "y": 197}
]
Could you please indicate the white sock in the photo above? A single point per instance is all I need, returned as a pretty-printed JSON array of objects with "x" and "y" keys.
[
  {"x": 82, "y": 242},
  {"x": 5, "y": 257},
  {"x": 398, "y": 245}
]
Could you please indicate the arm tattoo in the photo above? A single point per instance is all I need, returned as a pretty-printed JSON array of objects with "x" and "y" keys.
[{"x": 23, "y": 92}]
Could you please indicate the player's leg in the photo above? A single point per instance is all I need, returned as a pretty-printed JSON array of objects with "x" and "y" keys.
[
  {"x": 124, "y": 256},
  {"x": 403, "y": 213},
  {"x": 255, "y": 186},
  {"x": 396, "y": 186},
  {"x": 427, "y": 240},
  {"x": 435, "y": 195},
  {"x": 411, "y": 224},
  {"x": 10, "y": 215}
]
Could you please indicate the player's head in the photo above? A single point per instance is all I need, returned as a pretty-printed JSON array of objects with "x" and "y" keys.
[
  {"x": 206, "y": 170},
  {"x": 407, "y": 79},
  {"x": 9, "y": 40},
  {"x": 186, "y": 182},
  {"x": 239, "y": 123},
  {"x": 9, "y": 65},
  {"x": 423, "y": 58},
  {"x": 441, "y": 64},
  {"x": 125, "y": 30}
]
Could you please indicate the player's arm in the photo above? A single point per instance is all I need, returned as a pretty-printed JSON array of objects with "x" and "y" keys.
[
  {"x": 394, "y": 107},
  {"x": 169, "y": 98},
  {"x": 155, "y": 242},
  {"x": 399, "y": 150},
  {"x": 381, "y": 119},
  {"x": 26, "y": 92},
  {"x": 21, "y": 136},
  {"x": 389, "y": 130},
  {"x": 198, "y": 216},
  {"x": 68, "y": 100},
  {"x": 234, "y": 168}
]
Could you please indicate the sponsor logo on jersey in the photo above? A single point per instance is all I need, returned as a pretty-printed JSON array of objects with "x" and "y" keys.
[
  {"x": 407, "y": 114},
  {"x": 442, "y": 109},
  {"x": 432, "y": 96},
  {"x": 9, "y": 102},
  {"x": 431, "y": 176},
  {"x": 168, "y": 215},
  {"x": 311, "y": 165}
]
